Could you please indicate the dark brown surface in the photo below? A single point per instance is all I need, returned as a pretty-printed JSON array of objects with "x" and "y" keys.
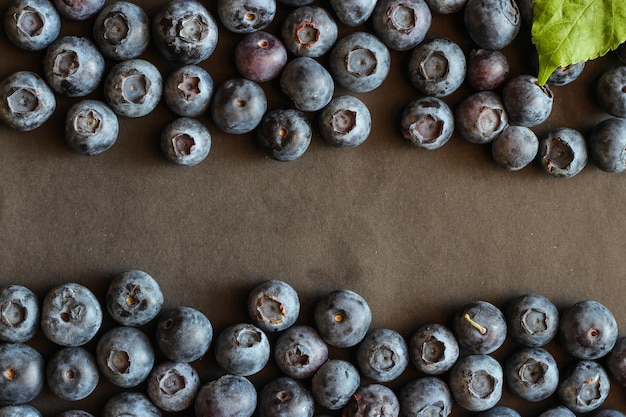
[{"x": 417, "y": 233}]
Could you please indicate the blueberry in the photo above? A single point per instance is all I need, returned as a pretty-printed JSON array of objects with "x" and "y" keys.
[
  {"x": 480, "y": 327},
  {"x": 273, "y": 305},
  {"x": 70, "y": 315},
  {"x": 558, "y": 411},
  {"x": 19, "y": 410},
  {"x": 91, "y": 127},
  {"x": 300, "y": 351},
  {"x": 611, "y": 91},
  {"x": 427, "y": 123},
  {"x": 481, "y": 117},
  {"x": 437, "y": 67},
  {"x": 607, "y": 412},
  {"x": 446, "y": 6},
  {"x": 184, "y": 334},
  {"x": 334, "y": 383},
  {"x": 74, "y": 413},
  {"x": 172, "y": 386},
  {"x": 401, "y": 25},
  {"x": 342, "y": 318},
  {"x": 532, "y": 320},
  {"x": 588, "y": 330},
  {"x": 607, "y": 144},
  {"x": 185, "y": 141},
  {"x": 295, "y": 3},
  {"x": 242, "y": 349},
  {"x": 382, "y": 355},
  {"x": 285, "y": 397},
  {"x": 359, "y": 62},
  {"x": 134, "y": 298},
  {"x": 373, "y": 400},
  {"x": 246, "y": 16},
  {"x": 19, "y": 314},
  {"x": 476, "y": 382},
  {"x": 307, "y": 83},
  {"x": 22, "y": 371},
  {"x": 527, "y": 103},
  {"x": 433, "y": 349},
  {"x": 260, "y": 56},
  {"x": 531, "y": 374},
  {"x": 184, "y": 31},
  {"x": 72, "y": 373},
  {"x": 133, "y": 88},
  {"x": 565, "y": 75},
  {"x": 31, "y": 25},
  {"x": 130, "y": 404},
  {"x": 492, "y": 24},
  {"x": 353, "y": 12},
  {"x": 616, "y": 361},
  {"x": 620, "y": 52},
  {"x": 79, "y": 9},
  {"x": 125, "y": 356},
  {"x": 284, "y": 134},
  {"x": 309, "y": 31},
  {"x": 585, "y": 387},
  {"x": 122, "y": 30},
  {"x": 345, "y": 122},
  {"x": 499, "y": 411},
  {"x": 487, "y": 69},
  {"x": 227, "y": 396},
  {"x": 26, "y": 101},
  {"x": 425, "y": 396},
  {"x": 187, "y": 91},
  {"x": 238, "y": 106},
  {"x": 515, "y": 147},
  {"x": 562, "y": 152}
]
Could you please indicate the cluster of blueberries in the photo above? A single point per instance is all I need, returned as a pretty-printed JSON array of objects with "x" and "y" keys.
[
  {"x": 455, "y": 362},
  {"x": 500, "y": 111}
]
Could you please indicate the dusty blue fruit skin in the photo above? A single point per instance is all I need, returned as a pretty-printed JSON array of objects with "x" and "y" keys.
[
  {"x": 227, "y": 396},
  {"x": 242, "y": 349},
  {"x": 515, "y": 147},
  {"x": 427, "y": 123},
  {"x": 285, "y": 397},
  {"x": 477, "y": 371},
  {"x": 184, "y": 31},
  {"x": 26, "y": 101},
  {"x": 479, "y": 327},
  {"x": 429, "y": 395},
  {"x": 125, "y": 356},
  {"x": 527, "y": 103},
  {"x": 499, "y": 411},
  {"x": 185, "y": 141},
  {"x": 433, "y": 349},
  {"x": 345, "y": 122},
  {"x": 309, "y": 31},
  {"x": 31, "y": 25},
  {"x": 26, "y": 369},
  {"x": 183, "y": 334},
  {"x": 299, "y": 351},
  {"x": 260, "y": 56},
  {"x": 91, "y": 127},
  {"x": 437, "y": 67},
  {"x": 273, "y": 305},
  {"x": 307, "y": 83},
  {"x": 74, "y": 413},
  {"x": 134, "y": 298},
  {"x": 611, "y": 92},
  {"x": 79, "y": 10},
  {"x": 359, "y": 62},
  {"x": 382, "y": 355},
  {"x": 566, "y": 75},
  {"x": 585, "y": 387},
  {"x": 21, "y": 410},
  {"x": 616, "y": 361},
  {"x": 122, "y": 30},
  {"x": 71, "y": 315},
  {"x": 606, "y": 143},
  {"x": 446, "y": 6},
  {"x": 401, "y": 25},
  {"x": 130, "y": 404},
  {"x": 373, "y": 400},
  {"x": 353, "y": 12},
  {"x": 558, "y": 411},
  {"x": 562, "y": 152},
  {"x": 172, "y": 386},
  {"x": 133, "y": 88},
  {"x": 187, "y": 91},
  {"x": 588, "y": 330},
  {"x": 532, "y": 320},
  {"x": 19, "y": 314},
  {"x": 342, "y": 318},
  {"x": 284, "y": 134},
  {"x": 72, "y": 373},
  {"x": 481, "y": 117},
  {"x": 531, "y": 374},
  {"x": 492, "y": 24},
  {"x": 334, "y": 383},
  {"x": 238, "y": 106},
  {"x": 246, "y": 16}
]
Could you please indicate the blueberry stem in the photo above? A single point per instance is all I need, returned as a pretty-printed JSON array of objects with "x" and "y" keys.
[{"x": 481, "y": 329}]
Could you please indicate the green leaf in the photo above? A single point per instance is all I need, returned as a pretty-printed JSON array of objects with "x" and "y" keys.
[{"x": 566, "y": 32}]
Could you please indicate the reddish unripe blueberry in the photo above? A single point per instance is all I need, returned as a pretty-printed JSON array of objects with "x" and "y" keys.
[
  {"x": 260, "y": 56},
  {"x": 487, "y": 69}
]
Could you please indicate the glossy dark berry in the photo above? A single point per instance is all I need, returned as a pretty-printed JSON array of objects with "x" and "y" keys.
[
  {"x": 607, "y": 145},
  {"x": 527, "y": 103},
  {"x": 437, "y": 67},
  {"x": 299, "y": 351},
  {"x": 172, "y": 386},
  {"x": 242, "y": 349},
  {"x": 433, "y": 349},
  {"x": 134, "y": 298},
  {"x": 446, "y": 6},
  {"x": 532, "y": 320},
  {"x": 492, "y": 24},
  {"x": 228, "y": 396},
  {"x": 284, "y": 134},
  {"x": 187, "y": 91},
  {"x": 91, "y": 127},
  {"x": 185, "y": 141},
  {"x": 515, "y": 147},
  {"x": 353, "y": 12},
  {"x": 487, "y": 69},
  {"x": 343, "y": 318},
  {"x": 273, "y": 305},
  {"x": 480, "y": 327},
  {"x": 122, "y": 30},
  {"x": 345, "y": 122},
  {"x": 588, "y": 330},
  {"x": 31, "y": 25},
  {"x": 238, "y": 106},
  {"x": 401, "y": 25},
  {"x": 611, "y": 91},
  {"x": 26, "y": 101},
  {"x": 616, "y": 361},
  {"x": 427, "y": 123},
  {"x": 260, "y": 56},
  {"x": 309, "y": 31},
  {"x": 585, "y": 387},
  {"x": 246, "y": 16},
  {"x": 183, "y": 334},
  {"x": 19, "y": 314},
  {"x": 307, "y": 83},
  {"x": 481, "y": 117},
  {"x": 565, "y": 75},
  {"x": 22, "y": 373},
  {"x": 78, "y": 9},
  {"x": 72, "y": 373},
  {"x": 562, "y": 152},
  {"x": 334, "y": 383}
]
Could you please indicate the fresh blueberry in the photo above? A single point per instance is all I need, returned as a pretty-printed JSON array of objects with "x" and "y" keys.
[
  {"x": 19, "y": 314},
  {"x": 515, "y": 147},
  {"x": 476, "y": 382},
  {"x": 300, "y": 351},
  {"x": 184, "y": 334},
  {"x": 295, "y": 3},
  {"x": 427, "y": 123},
  {"x": 187, "y": 91},
  {"x": 616, "y": 361},
  {"x": 382, "y": 355},
  {"x": 487, "y": 69},
  {"x": 309, "y": 31},
  {"x": 284, "y": 134},
  {"x": 532, "y": 320},
  {"x": 19, "y": 410},
  {"x": 184, "y": 31},
  {"x": 359, "y": 62},
  {"x": 185, "y": 141},
  {"x": 499, "y": 411},
  {"x": 74, "y": 413},
  {"x": 481, "y": 117},
  {"x": 246, "y": 16},
  {"x": 492, "y": 24},
  {"x": 125, "y": 356},
  {"x": 433, "y": 349},
  {"x": 425, "y": 396},
  {"x": 373, "y": 400},
  {"x": 558, "y": 411},
  {"x": 353, "y": 12},
  {"x": 26, "y": 101},
  {"x": 585, "y": 387},
  {"x": 527, "y": 103},
  {"x": 72, "y": 373},
  {"x": 134, "y": 298},
  {"x": 22, "y": 371},
  {"x": 342, "y": 318},
  {"x": 172, "y": 386},
  {"x": 122, "y": 30},
  {"x": 588, "y": 330},
  {"x": 334, "y": 383},
  {"x": 238, "y": 106},
  {"x": 227, "y": 396},
  {"x": 91, "y": 127},
  {"x": 562, "y": 152},
  {"x": 130, "y": 404},
  {"x": 79, "y": 9},
  {"x": 611, "y": 91},
  {"x": 480, "y": 327},
  {"x": 307, "y": 83},
  {"x": 70, "y": 315},
  {"x": 285, "y": 397},
  {"x": 260, "y": 56},
  {"x": 565, "y": 75},
  {"x": 437, "y": 67},
  {"x": 607, "y": 144},
  {"x": 273, "y": 305},
  {"x": 242, "y": 349},
  {"x": 31, "y": 25},
  {"x": 345, "y": 122},
  {"x": 532, "y": 374},
  {"x": 133, "y": 88},
  {"x": 401, "y": 25},
  {"x": 446, "y": 6},
  {"x": 607, "y": 412}
]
